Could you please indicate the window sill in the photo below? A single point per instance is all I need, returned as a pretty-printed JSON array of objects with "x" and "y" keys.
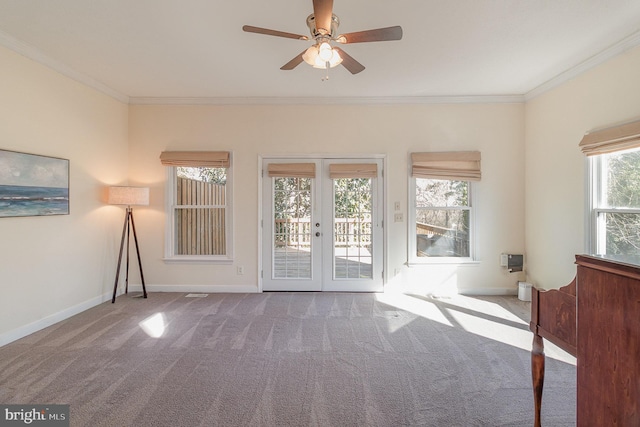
[
  {"x": 197, "y": 260},
  {"x": 442, "y": 261}
]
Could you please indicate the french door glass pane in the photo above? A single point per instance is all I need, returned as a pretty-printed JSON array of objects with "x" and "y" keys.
[
  {"x": 352, "y": 228},
  {"x": 292, "y": 228}
]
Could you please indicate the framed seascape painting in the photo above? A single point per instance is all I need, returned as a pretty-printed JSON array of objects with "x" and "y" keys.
[{"x": 32, "y": 185}]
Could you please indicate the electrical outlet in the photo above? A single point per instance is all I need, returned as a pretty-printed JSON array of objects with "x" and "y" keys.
[
  {"x": 398, "y": 217},
  {"x": 396, "y": 206},
  {"x": 240, "y": 270}
]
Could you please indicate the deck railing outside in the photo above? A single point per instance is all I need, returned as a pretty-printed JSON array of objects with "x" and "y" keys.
[
  {"x": 440, "y": 241},
  {"x": 297, "y": 232}
]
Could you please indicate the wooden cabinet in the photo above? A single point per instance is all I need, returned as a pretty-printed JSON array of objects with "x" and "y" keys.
[{"x": 608, "y": 341}]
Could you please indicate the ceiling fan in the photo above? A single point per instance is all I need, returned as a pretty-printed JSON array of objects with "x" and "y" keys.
[{"x": 323, "y": 25}]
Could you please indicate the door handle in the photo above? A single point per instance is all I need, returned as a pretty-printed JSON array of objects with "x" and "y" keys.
[
  {"x": 317, "y": 224},
  {"x": 317, "y": 234}
]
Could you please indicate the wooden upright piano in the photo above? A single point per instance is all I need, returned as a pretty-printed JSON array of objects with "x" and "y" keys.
[{"x": 597, "y": 319}]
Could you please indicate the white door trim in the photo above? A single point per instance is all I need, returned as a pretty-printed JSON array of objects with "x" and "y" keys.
[{"x": 384, "y": 209}]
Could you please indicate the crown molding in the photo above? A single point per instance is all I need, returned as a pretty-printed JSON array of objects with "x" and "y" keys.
[
  {"x": 622, "y": 46},
  {"x": 391, "y": 100},
  {"x": 34, "y": 54}
]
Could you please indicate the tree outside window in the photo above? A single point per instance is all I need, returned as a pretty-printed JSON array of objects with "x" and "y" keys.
[{"x": 617, "y": 203}]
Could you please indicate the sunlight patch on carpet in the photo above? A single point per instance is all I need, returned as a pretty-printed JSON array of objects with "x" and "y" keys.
[
  {"x": 154, "y": 326},
  {"x": 416, "y": 306}
]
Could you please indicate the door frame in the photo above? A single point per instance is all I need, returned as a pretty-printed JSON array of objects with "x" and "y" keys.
[{"x": 261, "y": 177}]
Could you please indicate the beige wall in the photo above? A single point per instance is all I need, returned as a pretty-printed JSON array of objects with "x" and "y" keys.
[
  {"x": 392, "y": 130},
  {"x": 52, "y": 267},
  {"x": 555, "y": 168}
]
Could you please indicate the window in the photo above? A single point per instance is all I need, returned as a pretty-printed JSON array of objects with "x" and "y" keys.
[
  {"x": 199, "y": 213},
  {"x": 442, "y": 218},
  {"x": 441, "y": 208},
  {"x": 615, "y": 200}
]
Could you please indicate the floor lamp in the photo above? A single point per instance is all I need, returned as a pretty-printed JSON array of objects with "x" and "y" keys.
[{"x": 128, "y": 196}]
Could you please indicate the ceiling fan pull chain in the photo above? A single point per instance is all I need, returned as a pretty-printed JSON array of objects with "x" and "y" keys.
[{"x": 327, "y": 76}]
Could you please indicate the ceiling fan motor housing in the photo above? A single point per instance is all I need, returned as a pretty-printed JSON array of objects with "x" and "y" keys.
[{"x": 311, "y": 23}]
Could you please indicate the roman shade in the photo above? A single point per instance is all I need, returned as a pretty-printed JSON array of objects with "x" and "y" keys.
[
  {"x": 353, "y": 170},
  {"x": 209, "y": 159},
  {"x": 609, "y": 140},
  {"x": 292, "y": 170},
  {"x": 456, "y": 165}
]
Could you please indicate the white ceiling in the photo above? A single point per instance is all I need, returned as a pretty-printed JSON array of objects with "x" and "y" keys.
[{"x": 141, "y": 50}]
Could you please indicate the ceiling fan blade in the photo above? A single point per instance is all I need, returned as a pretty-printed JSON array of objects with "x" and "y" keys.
[
  {"x": 258, "y": 30},
  {"x": 322, "y": 12},
  {"x": 294, "y": 62},
  {"x": 377, "y": 35},
  {"x": 349, "y": 63}
]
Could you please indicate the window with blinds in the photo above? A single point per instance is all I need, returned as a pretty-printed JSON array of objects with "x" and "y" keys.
[
  {"x": 199, "y": 205},
  {"x": 441, "y": 214},
  {"x": 614, "y": 179}
]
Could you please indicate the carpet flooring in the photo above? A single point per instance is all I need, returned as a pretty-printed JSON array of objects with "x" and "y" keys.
[{"x": 290, "y": 359}]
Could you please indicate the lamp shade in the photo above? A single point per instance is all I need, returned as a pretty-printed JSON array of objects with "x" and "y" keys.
[{"x": 128, "y": 196}]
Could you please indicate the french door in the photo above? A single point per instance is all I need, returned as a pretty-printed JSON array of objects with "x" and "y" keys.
[{"x": 322, "y": 225}]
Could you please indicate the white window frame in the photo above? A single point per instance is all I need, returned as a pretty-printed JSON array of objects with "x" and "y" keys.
[
  {"x": 170, "y": 209},
  {"x": 596, "y": 188},
  {"x": 412, "y": 235}
]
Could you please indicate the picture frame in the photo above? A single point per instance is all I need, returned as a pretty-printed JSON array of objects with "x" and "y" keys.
[{"x": 33, "y": 185}]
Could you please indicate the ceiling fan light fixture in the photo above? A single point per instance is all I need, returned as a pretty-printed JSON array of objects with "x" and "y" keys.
[
  {"x": 325, "y": 52},
  {"x": 317, "y": 56},
  {"x": 334, "y": 61},
  {"x": 310, "y": 56}
]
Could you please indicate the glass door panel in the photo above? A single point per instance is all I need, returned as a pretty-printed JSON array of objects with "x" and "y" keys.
[
  {"x": 291, "y": 256},
  {"x": 352, "y": 236},
  {"x": 292, "y": 227},
  {"x": 353, "y": 207},
  {"x": 322, "y": 233}
]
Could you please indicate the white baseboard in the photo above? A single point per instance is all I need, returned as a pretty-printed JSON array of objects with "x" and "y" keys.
[
  {"x": 207, "y": 289},
  {"x": 488, "y": 291},
  {"x": 52, "y": 319}
]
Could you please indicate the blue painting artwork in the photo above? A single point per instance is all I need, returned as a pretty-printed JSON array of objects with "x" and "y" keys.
[{"x": 32, "y": 185}]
